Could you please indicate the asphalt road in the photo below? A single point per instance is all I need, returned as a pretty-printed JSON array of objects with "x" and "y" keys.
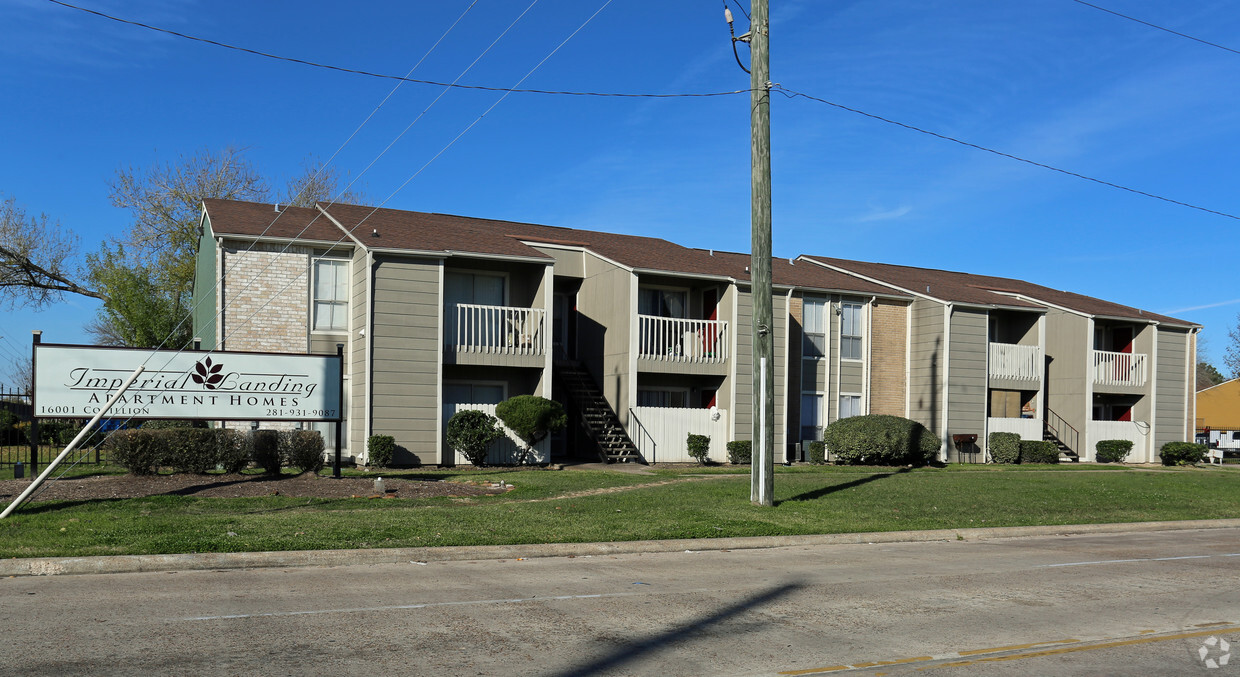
[{"x": 1145, "y": 603}]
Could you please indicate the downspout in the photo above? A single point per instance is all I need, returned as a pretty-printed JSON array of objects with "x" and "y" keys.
[
  {"x": 837, "y": 332},
  {"x": 219, "y": 294},
  {"x": 869, "y": 353},
  {"x": 1190, "y": 386},
  {"x": 984, "y": 444},
  {"x": 1150, "y": 443},
  {"x": 947, "y": 357},
  {"x": 1089, "y": 391},
  {"x": 908, "y": 360},
  {"x": 440, "y": 345},
  {"x": 369, "y": 356},
  {"x": 783, "y": 418}
]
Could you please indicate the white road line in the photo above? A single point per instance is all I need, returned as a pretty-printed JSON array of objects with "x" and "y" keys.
[
  {"x": 400, "y": 607},
  {"x": 1141, "y": 559}
]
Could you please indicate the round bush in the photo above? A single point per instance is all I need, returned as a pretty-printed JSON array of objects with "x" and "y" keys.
[
  {"x": 817, "y": 452},
  {"x": 1112, "y": 451},
  {"x": 471, "y": 432},
  {"x": 302, "y": 449},
  {"x": 1004, "y": 447},
  {"x": 699, "y": 447},
  {"x": 879, "y": 439},
  {"x": 1038, "y": 451},
  {"x": 1182, "y": 453},
  {"x": 138, "y": 451},
  {"x": 265, "y": 450},
  {"x": 740, "y": 452},
  {"x": 379, "y": 450}
]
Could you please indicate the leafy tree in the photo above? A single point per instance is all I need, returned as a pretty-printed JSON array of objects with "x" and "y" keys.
[
  {"x": 532, "y": 418},
  {"x": 1208, "y": 376},
  {"x": 136, "y": 312}
]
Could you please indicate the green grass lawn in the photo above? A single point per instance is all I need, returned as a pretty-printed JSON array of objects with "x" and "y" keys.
[{"x": 809, "y": 500}]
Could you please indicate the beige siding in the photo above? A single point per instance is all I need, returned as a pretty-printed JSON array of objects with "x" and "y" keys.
[
  {"x": 405, "y": 340},
  {"x": 604, "y": 323},
  {"x": 1170, "y": 380},
  {"x": 568, "y": 262},
  {"x": 1067, "y": 387},
  {"x": 359, "y": 350},
  {"x": 967, "y": 378},
  {"x": 742, "y": 417},
  {"x": 926, "y": 361},
  {"x": 888, "y": 336}
]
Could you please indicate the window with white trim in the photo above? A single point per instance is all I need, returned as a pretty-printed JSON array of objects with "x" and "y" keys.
[
  {"x": 473, "y": 393},
  {"x": 850, "y": 331},
  {"x": 663, "y": 397},
  {"x": 850, "y": 405},
  {"x": 813, "y": 359},
  {"x": 331, "y": 295}
]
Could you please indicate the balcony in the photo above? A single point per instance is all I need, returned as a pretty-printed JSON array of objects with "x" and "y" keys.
[
  {"x": 673, "y": 340},
  {"x": 1016, "y": 363},
  {"x": 498, "y": 330},
  {"x": 1120, "y": 369}
]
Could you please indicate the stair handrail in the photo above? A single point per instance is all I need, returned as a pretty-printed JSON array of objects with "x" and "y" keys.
[
  {"x": 643, "y": 432},
  {"x": 1055, "y": 424}
]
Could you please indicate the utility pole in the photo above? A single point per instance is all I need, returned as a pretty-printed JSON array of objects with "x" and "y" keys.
[{"x": 762, "y": 479}]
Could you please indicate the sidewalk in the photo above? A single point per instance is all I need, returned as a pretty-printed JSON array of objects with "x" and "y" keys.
[{"x": 59, "y": 566}]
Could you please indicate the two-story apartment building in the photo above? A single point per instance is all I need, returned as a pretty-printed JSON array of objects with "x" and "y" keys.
[
  {"x": 993, "y": 354},
  {"x": 644, "y": 340}
]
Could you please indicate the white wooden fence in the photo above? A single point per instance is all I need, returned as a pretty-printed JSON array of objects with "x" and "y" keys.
[
  {"x": 660, "y": 432},
  {"x": 1027, "y": 428},
  {"x": 670, "y": 339},
  {"x": 1119, "y": 369},
  {"x": 1019, "y": 363},
  {"x": 1137, "y": 431},
  {"x": 499, "y": 330},
  {"x": 504, "y": 451}
]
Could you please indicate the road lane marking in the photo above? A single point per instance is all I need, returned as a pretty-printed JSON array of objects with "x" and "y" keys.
[
  {"x": 403, "y": 607},
  {"x": 1123, "y": 561},
  {"x": 1020, "y": 651}
]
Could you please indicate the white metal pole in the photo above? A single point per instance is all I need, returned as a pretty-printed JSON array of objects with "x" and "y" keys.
[{"x": 72, "y": 445}]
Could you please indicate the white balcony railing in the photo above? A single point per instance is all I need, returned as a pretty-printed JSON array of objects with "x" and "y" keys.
[
  {"x": 1018, "y": 363},
  {"x": 498, "y": 330},
  {"x": 1119, "y": 369},
  {"x": 670, "y": 339}
]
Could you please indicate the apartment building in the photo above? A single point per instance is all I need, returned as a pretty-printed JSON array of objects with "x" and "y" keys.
[{"x": 644, "y": 340}]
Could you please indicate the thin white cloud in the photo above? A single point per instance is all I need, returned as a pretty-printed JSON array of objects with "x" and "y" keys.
[
  {"x": 888, "y": 215},
  {"x": 1220, "y": 304}
]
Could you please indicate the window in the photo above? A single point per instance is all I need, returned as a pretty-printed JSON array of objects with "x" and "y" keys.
[
  {"x": 850, "y": 331},
  {"x": 661, "y": 302},
  {"x": 850, "y": 405},
  {"x": 650, "y": 397},
  {"x": 811, "y": 416},
  {"x": 331, "y": 295}
]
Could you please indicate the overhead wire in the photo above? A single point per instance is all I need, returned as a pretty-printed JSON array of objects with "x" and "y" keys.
[
  {"x": 388, "y": 76},
  {"x": 1157, "y": 27},
  {"x": 794, "y": 94}
]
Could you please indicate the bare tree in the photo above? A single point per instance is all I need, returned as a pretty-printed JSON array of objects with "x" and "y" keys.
[
  {"x": 37, "y": 259},
  {"x": 166, "y": 203},
  {"x": 320, "y": 183},
  {"x": 21, "y": 375},
  {"x": 1231, "y": 358}
]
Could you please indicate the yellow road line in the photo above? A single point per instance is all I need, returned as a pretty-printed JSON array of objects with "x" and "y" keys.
[{"x": 1077, "y": 645}]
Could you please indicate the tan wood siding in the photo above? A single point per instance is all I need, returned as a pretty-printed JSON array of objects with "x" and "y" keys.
[
  {"x": 1171, "y": 373},
  {"x": 1067, "y": 383},
  {"x": 405, "y": 342},
  {"x": 926, "y": 361},
  {"x": 359, "y": 378},
  {"x": 604, "y": 321},
  {"x": 967, "y": 377}
]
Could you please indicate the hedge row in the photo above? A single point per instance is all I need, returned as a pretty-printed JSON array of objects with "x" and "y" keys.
[{"x": 199, "y": 450}]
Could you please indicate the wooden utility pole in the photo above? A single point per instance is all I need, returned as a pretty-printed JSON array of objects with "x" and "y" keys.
[{"x": 762, "y": 481}]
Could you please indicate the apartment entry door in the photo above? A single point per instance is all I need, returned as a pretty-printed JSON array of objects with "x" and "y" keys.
[{"x": 564, "y": 324}]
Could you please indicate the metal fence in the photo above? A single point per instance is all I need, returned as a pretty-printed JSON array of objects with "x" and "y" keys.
[{"x": 16, "y": 422}]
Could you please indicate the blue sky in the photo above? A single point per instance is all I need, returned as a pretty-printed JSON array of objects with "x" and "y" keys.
[{"x": 1056, "y": 82}]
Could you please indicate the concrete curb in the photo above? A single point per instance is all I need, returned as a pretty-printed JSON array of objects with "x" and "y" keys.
[{"x": 116, "y": 564}]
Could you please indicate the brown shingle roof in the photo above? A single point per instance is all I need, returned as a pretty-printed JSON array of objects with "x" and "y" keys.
[
  {"x": 253, "y": 219},
  {"x": 988, "y": 290}
]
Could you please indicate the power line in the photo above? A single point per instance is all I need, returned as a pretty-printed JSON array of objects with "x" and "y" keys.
[
  {"x": 387, "y": 76},
  {"x": 793, "y": 94},
  {"x": 1156, "y": 26}
]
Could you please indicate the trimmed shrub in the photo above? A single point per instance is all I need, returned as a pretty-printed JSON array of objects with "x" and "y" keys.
[
  {"x": 137, "y": 451},
  {"x": 302, "y": 449},
  {"x": 1004, "y": 447},
  {"x": 1038, "y": 451},
  {"x": 531, "y": 418},
  {"x": 265, "y": 450},
  {"x": 379, "y": 450},
  {"x": 1182, "y": 453},
  {"x": 1112, "y": 451},
  {"x": 740, "y": 452},
  {"x": 879, "y": 439},
  {"x": 231, "y": 452},
  {"x": 471, "y": 432},
  {"x": 187, "y": 450},
  {"x": 699, "y": 447},
  {"x": 817, "y": 452}
]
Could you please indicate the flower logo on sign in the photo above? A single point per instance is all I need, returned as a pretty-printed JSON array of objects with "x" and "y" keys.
[{"x": 207, "y": 375}]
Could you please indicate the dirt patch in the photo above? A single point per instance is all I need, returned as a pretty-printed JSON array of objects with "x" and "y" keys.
[{"x": 306, "y": 485}]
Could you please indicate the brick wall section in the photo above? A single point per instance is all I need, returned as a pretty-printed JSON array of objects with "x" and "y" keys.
[
  {"x": 887, "y": 377},
  {"x": 266, "y": 295}
]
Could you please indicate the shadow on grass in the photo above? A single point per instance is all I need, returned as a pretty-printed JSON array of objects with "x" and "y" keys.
[
  {"x": 667, "y": 640},
  {"x": 826, "y": 491}
]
